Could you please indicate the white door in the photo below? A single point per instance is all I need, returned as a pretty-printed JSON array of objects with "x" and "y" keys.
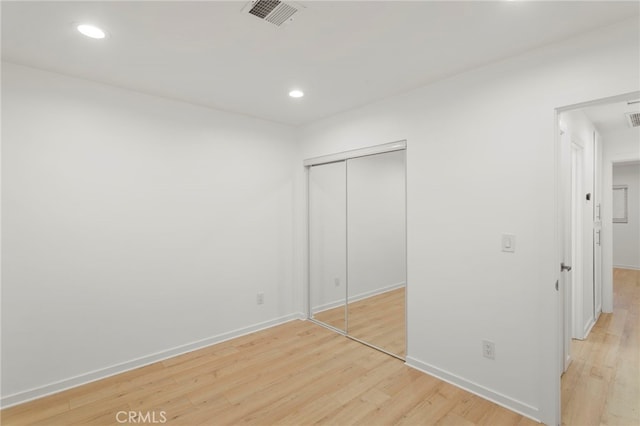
[
  {"x": 577, "y": 244},
  {"x": 565, "y": 288}
]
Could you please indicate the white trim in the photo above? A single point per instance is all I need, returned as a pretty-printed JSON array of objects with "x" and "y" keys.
[
  {"x": 306, "y": 260},
  {"x": 588, "y": 327},
  {"x": 633, "y": 268},
  {"x": 496, "y": 397},
  {"x": 92, "y": 376},
  {"x": 551, "y": 360},
  {"x": 567, "y": 362},
  {"x": 601, "y": 101},
  {"x": 355, "y": 153}
]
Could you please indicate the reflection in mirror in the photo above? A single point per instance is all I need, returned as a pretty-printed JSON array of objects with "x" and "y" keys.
[
  {"x": 327, "y": 243},
  {"x": 376, "y": 251}
]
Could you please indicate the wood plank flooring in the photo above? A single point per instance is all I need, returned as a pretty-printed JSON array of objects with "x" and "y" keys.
[
  {"x": 602, "y": 384},
  {"x": 379, "y": 320},
  {"x": 300, "y": 373}
]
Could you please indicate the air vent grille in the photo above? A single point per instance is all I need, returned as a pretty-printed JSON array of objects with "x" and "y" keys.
[
  {"x": 273, "y": 11},
  {"x": 633, "y": 118},
  {"x": 281, "y": 14},
  {"x": 263, "y": 7}
]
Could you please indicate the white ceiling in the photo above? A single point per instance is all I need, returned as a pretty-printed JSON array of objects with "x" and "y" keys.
[
  {"x": 611, "y": 117},
  {"x": 342, "y": 54}
]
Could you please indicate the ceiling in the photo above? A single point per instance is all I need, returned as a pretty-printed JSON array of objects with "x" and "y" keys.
[
  {"x": 611, "y": 117},
  {"x": 342, "y": 54}
]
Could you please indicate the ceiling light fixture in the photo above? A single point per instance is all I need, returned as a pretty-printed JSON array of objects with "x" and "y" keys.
[
  {"x": 296, "y": 93},
  {"x": 91, "y": 31}
]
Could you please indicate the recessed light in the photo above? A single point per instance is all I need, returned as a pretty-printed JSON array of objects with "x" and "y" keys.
[
  {"x": 91, "y": 31},
  {"x": 296, "y": 93}
]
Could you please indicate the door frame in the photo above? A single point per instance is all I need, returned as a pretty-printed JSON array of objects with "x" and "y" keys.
[
  {"x": 598, "y": 190},
  {"x": 566, "y": 284},
  {"x": 607, "y": 285}
]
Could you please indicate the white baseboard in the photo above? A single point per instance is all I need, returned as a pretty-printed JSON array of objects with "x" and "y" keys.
[
  {"x": 567, "y": 361},
  {"x": 92, "y": 376},
  {"x": 507, "y": 402},
  {"x": 633, "y": 268},
  {"x": 588, "y": 327},
  {"x": 357, "y": 297}
]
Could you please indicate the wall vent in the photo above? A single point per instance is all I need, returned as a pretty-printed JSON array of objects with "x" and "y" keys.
[
  {"x": 633, "y": 118},
  {"x": 274, "y": 11}
]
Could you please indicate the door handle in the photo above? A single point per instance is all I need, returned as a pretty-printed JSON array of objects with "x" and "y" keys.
[{"x": 564, "y": 267}]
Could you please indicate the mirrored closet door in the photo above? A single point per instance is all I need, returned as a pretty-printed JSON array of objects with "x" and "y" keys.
[
  {"x": 376, "y": 251},
  {"x": 328, "y": 244},
  {"x": 357, "y": 247}
]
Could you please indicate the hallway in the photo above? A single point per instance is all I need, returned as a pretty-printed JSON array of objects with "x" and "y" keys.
[{"x": 602, "y": 383}]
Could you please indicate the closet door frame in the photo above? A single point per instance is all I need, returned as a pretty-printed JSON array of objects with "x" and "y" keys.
[
  {"x": 334, "y": 158},
  {"x": 355, "y": 153}
]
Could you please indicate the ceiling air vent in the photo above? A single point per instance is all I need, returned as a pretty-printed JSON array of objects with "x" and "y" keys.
[
  {"x": 274, "y": 11},
  {"x": 633, "y": 118}
]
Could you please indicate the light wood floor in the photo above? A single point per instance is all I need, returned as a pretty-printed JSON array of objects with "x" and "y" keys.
[
  {"x": 379, "y": 320},
  {"x": 602, "y": 384},
  {"x": 295, "y": 374},
  {"x": 300, "y": 373}
]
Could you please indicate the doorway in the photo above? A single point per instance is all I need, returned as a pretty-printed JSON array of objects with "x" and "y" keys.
[{"x": 604, "y": 134}]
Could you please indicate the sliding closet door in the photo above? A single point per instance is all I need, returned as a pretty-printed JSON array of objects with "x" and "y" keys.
[
  {"x": 327, "y": 244},
  {"x": 376, "y": 250}
]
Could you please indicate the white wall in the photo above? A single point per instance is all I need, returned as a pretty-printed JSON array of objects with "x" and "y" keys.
[
  {"x": 133, "y": 225},
  {"x": 626, "y": 236},
  {"x": 481, "y": 162}
]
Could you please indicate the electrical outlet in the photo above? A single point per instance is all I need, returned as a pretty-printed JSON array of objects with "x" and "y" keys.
[
  {"x": 336, "y": 281},
  {"x": 260, "y": 298},
  {"x": 488, "y": 349}
]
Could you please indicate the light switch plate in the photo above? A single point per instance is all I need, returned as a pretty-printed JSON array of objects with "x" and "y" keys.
[{"x": 508, "y": 243}]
